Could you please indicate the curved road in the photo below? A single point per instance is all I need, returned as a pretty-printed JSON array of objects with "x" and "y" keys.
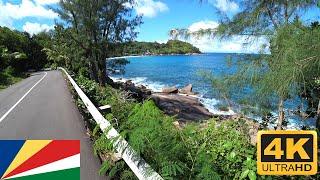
[{"x": 41, "y": 107}]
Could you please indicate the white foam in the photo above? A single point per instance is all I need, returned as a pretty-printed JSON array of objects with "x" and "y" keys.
[
  {"x": 154, "y": 86},
  {"x": 211, "y": 104},
  {"x": 124, "y": 57}
]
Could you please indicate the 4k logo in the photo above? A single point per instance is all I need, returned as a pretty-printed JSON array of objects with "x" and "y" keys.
[{"x": 287, "y": 153}]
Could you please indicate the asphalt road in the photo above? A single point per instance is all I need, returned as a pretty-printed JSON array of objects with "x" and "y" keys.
[{"x": 47, "y": 111}]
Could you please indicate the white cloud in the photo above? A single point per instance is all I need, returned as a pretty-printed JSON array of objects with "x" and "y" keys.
[
  {"x": 35, "y": 28},
  {"x": 46, "y": 2},
  {"x": 203, "y": 25},
  {"x": 225, "y": 5},
  {"x": 149, "y": 8},
  {"x": 236, "y": 44},
  {"x": 26, "y": 8}
]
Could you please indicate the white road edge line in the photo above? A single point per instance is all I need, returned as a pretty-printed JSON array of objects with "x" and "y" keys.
[{"x": 8, "y": 112}]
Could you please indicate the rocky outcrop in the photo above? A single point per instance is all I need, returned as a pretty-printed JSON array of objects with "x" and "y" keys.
[
  {"x": 137, "y": 92},
  {"x": 169, "y": 90},
  {"x": 185, "y": 108},
  {"x": 187, "y": 90}
]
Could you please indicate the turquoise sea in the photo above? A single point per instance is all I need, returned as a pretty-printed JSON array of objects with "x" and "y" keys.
[{"x": 157, "y": 72}]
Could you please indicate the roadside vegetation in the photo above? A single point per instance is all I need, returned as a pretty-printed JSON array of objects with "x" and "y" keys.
[{"x": 20, "y": 52}]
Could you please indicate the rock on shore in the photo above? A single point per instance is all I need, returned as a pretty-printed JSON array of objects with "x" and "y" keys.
[
  {"x": 186, "y": 108},
  {"x": 170, "y": 90},
  {"x": 187, "y": 90},
  {"x": 138, "y": 92}
]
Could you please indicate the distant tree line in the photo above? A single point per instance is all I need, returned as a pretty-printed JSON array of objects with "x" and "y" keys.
[{"x": 155, "y": 48}]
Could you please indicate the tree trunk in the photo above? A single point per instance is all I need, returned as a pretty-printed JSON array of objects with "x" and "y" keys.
[
  {"x": 91, "y": 73},
  {"x": 95, "y": 70},
  {"x": 281, "y": 114},
  {"x": 102, "y": 70},
  {"x": 102, "y": 77}
]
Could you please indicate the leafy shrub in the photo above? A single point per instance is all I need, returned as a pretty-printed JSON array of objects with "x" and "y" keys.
[
  {"x": 54, "y": 66},
  {"x": 221, "y": 150},
  {"x": 121, "y": 105},
  {"x": 8, "y": 77},
  {"x": 90, "y": 88},
  {"x": 153, "y": 135},
  {"x": 9, "y": 71},
  {"x": 83, "y": 71}
]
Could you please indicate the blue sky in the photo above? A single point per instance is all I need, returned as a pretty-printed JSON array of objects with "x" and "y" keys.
[
  {"x": 159, "y": 16},
  {"x": 180, "y": 13}
]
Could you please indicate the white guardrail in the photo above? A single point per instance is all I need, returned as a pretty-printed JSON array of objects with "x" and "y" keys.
[{"x": 138, "y": 165}]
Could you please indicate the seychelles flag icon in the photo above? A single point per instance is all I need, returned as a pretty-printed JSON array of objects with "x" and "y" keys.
[{"x": 39, "y": 159}]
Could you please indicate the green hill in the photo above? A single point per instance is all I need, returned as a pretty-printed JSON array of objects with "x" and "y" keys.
[{"x": 155, "y": 48}]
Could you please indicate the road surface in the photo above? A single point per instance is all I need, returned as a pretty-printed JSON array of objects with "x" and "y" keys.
[{"x": 41, "y": 107}]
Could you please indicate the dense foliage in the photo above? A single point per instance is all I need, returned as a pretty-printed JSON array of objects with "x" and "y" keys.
[
  {"x": 154, "y": 48},
  {"x": 20, "y": 52}
]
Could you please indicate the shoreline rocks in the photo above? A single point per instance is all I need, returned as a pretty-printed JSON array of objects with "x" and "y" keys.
[
  {"x": 170, "y": 90},
  {"x": 185, "y": 108},
  {"x": 137, "y": 92},
  {"x": 187, "y": 90}
]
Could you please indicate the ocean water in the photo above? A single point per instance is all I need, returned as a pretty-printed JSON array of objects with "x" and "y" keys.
[{"x": 157, "y": 72}]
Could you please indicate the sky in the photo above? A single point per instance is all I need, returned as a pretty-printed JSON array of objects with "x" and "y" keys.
[{"x": 159, "y": 17}]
